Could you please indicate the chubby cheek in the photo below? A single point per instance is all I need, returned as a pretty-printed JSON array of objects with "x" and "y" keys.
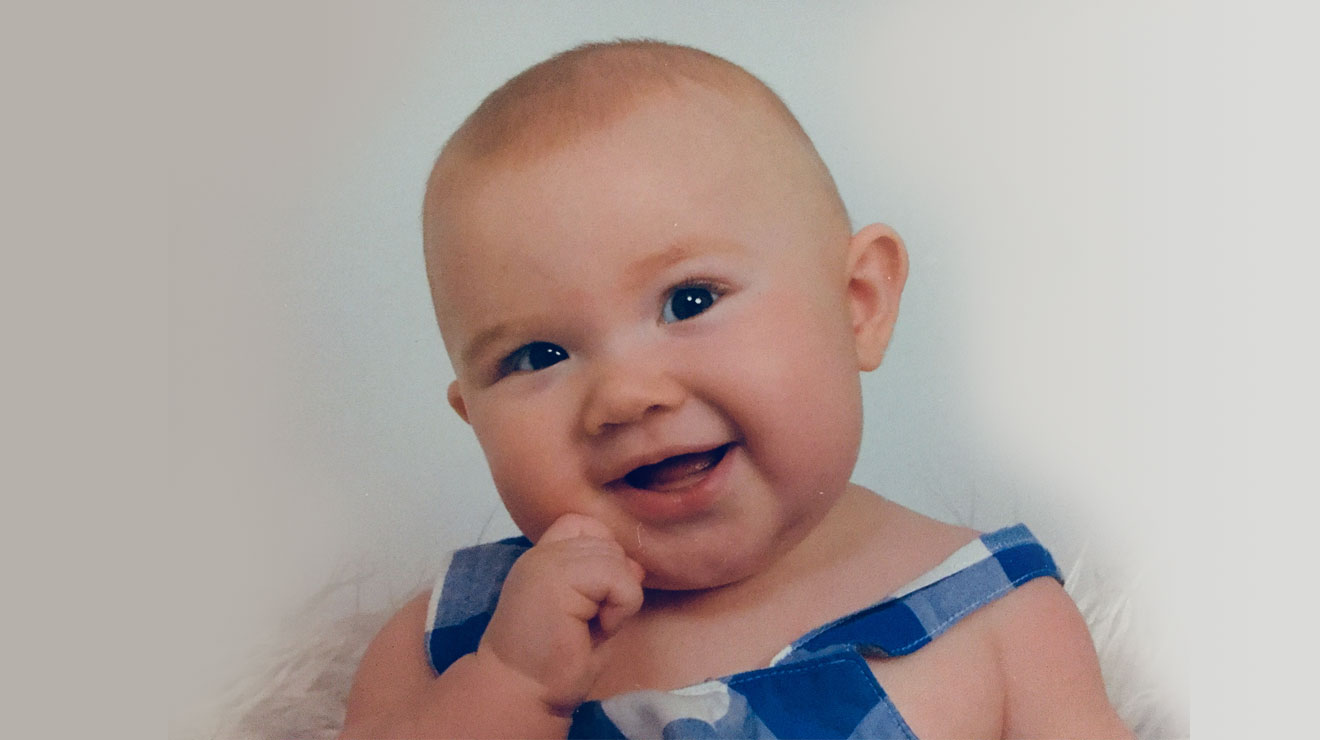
[
  {"x": 800, "y": 400},
  {"x": 530, "y": 472}
]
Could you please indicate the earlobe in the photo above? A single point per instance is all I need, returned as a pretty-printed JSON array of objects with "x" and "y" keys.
[
  {"x": 877, "y": 270},
  {"x": 456, "y": 401}
]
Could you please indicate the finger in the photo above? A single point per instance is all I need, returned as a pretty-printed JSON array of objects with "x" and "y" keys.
[
  {"x": 622, "y": 601},
  {"x": 608, "y": 582},
  {"x": 570, "y": 526},
  {"x": 637, "y": 570}
]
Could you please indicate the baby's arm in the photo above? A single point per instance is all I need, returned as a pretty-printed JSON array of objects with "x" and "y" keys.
[
  {"x": 396, "y": 694},
  {"x": 535, "y": 663},
  {"x": 1053, "y": 687}
]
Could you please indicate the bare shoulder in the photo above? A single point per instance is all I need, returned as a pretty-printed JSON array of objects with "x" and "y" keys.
[
  {"x": 1023, "y": 666},
  {"x": 394, "y": 668},
  {"x": 1052, "y": 681}
]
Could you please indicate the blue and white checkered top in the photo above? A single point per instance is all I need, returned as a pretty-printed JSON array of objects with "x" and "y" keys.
[{"x": 820, "y": 686}]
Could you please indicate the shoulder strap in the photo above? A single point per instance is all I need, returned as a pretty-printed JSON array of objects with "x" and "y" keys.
[
  {"x": 976, "y": 574},
  {"x": 464, "y": 598}
]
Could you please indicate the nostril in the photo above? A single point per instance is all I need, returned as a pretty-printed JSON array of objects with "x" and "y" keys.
[{"x": 627, "y": 398}]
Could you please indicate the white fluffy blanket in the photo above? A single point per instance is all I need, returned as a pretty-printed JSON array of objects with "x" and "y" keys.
[{"x": 299, "y": 689}]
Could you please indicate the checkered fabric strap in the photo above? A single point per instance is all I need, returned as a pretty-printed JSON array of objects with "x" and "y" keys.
[
  {"x": 975, "y": 575},
  {"x": 464, "y": 598}
]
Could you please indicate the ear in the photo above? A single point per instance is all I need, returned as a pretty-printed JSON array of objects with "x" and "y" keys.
[
  {"x": 456, "y": 401},
  {"x": 877, "y": 270}
]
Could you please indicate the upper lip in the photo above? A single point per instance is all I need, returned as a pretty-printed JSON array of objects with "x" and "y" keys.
[{"x": 617, "y": 472}]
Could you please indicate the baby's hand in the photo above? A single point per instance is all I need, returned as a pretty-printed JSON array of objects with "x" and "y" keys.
[{"x": 561, "y": 599}]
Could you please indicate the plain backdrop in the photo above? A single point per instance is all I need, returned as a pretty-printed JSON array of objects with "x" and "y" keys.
[{"x": 1057, "y": 169}]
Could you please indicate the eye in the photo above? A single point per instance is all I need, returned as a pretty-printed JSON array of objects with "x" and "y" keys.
[
  {"x": 687, "y": 301},
  {"x": 532, "y": 357}
]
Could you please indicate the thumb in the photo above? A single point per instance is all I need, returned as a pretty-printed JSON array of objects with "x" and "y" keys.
[{"x": 570, "y": 526}]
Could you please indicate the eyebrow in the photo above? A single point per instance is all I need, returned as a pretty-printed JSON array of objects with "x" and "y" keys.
[
  {"x": 488, "y": 336},
  {"x": 673, "y": 254}
]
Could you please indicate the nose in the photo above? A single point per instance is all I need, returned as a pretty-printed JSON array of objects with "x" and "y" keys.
[{"x": 626, "y": 393}]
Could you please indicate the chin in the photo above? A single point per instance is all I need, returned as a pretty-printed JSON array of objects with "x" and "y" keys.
[
  {"x": 689, "y": 582},
  {"x": 707, "y": 568}
]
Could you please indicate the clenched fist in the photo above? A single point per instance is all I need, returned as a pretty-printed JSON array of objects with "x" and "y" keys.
[{"x": 562, "y": 598}]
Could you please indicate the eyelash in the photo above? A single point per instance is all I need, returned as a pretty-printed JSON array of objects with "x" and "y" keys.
[
  {"x": 548, "y": 350},
  {"x": 716, "y": 293},
  {"x": 510, "y": 365}
]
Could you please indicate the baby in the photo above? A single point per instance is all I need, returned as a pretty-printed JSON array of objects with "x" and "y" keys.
[{"x": 657, "y": 313}]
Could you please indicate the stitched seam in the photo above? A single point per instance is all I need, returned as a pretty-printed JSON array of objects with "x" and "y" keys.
[
  {"x": 991, "y": 553},
  {"x": 849, "y": 660},
  {"x": 883, "y": 699},
  {"x": 858, "y": 664},
  {"x": 945, "y": 624}
]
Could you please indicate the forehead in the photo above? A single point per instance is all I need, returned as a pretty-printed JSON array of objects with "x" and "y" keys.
[
  {"x": 674, "y": 156},
  {"x": 693, "y": 171}
]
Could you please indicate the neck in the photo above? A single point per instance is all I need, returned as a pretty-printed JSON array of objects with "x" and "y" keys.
[{"x": 840, "y": 534}]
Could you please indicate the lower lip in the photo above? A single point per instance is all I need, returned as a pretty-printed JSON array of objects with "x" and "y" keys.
[{"x": 664, "y": 507}]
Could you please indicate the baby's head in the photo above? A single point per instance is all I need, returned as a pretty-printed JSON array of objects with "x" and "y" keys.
[{"x": 655, "y": 309}]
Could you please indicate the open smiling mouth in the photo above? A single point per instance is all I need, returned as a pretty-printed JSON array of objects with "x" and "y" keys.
[{"x": 677, "y": 472}]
